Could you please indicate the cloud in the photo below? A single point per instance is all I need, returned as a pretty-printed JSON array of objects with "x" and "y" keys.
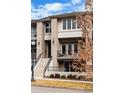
[
  {"x": 76, "y": 1},
  {"x": 41, "y": 11},
  {"x": 81, "y": 7},
  {"x": 47, "y": 9}
]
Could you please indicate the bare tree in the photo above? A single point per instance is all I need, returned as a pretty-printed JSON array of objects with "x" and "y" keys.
[{"x": 83, "y": 61}]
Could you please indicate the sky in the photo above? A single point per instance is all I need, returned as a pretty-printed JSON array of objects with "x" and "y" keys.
[{"x": 44, "y": 8}]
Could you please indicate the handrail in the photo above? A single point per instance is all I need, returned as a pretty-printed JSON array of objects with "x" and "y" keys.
[
  {"x": 47, "y": 66},
  {"x": 38, "y": 58}
]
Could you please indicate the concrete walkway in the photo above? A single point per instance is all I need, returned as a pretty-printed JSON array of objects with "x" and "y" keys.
[{"x": 35, "y": 89}]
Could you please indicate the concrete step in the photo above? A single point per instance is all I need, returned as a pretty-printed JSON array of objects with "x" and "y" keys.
[{"x": 39, "y": 68}]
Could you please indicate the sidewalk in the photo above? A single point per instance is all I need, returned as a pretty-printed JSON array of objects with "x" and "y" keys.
[{"x": 36, "y": 89}]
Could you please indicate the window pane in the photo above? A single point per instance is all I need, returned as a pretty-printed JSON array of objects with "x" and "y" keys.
[
  {"x": 75, "y": 48},
  {"x": 33, "y": 29},
  {"x": 69, "y": 23},
  {"x": 64, "y": 24},
  {"x": 73, "y": 23},
  {"x": 63, "y": 49},
  {"x": 78, "y": 25},
  {"x": 48, "y": 28},
  {"x": 69, "y": 49}
]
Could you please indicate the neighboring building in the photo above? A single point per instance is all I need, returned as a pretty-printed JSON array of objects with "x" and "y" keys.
[
  {"x": 33, "y": 42},
  {"x": 57, "y": 44}
]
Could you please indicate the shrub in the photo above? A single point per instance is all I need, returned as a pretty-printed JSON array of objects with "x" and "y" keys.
[
  {"x": 74, "y": 77},
  {"x": 70, "y": 76},
  {"x": 89, "y": 79},
  {"x": 63, "y": 77},
  {"x": 51, "y": 76},
  {"x": 57, "y": 75},
  {"x": 81, "y": 77}
]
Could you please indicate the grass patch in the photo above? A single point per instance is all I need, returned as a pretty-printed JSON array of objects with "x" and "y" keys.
[{"x": 63, "y": 84}]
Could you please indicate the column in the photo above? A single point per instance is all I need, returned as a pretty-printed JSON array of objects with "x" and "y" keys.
[
  {"x": 40, "y": 39},
  {"x": 54, "y": 41}
]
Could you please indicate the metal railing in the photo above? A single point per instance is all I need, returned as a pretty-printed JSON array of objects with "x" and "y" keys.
[
  {"x": 56, "y": 68},
  {"x": 39, "y": 56},
  {"x": 61, "y": 53},
  {"x": 34, "y": 61},
  {"x": 47, "y": 65}
]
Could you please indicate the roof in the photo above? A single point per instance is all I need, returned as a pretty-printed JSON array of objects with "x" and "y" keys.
[{"x": 65, "y": 15}]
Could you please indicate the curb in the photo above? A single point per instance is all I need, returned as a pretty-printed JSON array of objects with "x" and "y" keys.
[
  {"x": 63, "y": 87},
  {"x": 76, "y": 81}
]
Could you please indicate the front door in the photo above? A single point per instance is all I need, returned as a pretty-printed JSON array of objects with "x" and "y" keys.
[{"x": 49, "y": 48}]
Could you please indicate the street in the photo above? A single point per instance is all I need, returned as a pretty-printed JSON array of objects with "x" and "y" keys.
[{"x": 35, "y": 89}]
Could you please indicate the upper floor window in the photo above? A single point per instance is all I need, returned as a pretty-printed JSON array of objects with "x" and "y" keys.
[
  {"x": 78, "y": 25},
  {"x": 48, "y": 27},
  {"x": 73, "y": 23},
  {"x": 64, "y": 24},
  {"x": 33, "y": 29},
  {"x": 70, "y": 23}
]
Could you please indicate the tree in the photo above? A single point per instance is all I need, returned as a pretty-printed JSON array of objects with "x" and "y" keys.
[{"x": 83, "y": 61}]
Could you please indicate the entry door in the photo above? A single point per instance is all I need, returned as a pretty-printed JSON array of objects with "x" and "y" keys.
[
  {"x": 49, "y": 48},
  {"x": 66, "y": 66}
]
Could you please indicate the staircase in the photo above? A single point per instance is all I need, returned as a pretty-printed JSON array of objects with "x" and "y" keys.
[{"x": 40, "y": 68}]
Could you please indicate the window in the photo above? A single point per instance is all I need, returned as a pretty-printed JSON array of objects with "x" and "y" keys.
[
  {"x": 75, "y": 48},
  {"x": 69, "y": 49},
  {"x": 78, "y": 25},
  {"x": 33, "y": 29},
  {"x": 73, "y": 23},
  {"x": 63, "y": 49},
  {"x": 64, "y": 24},
  {"x": 69, "y": 23},
  {"x": 48, "y": 27}
]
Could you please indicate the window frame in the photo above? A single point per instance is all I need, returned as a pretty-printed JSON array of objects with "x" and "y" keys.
[
  {"x": 71, "y": 24},
  {"x": 49, "y": 28}
]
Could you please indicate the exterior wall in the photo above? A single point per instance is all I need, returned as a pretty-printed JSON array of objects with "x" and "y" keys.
[
  {"x": 47, "y": 36},
  {"x": 40, "y": 39},
  {"x": 60, "y": 25},
  {"x": 54, "y": 41}
]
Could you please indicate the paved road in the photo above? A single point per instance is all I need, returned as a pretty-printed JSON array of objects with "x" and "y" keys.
[{"x": 35, "y": 89}]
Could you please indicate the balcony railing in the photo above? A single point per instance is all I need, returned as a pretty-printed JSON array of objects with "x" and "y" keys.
[
  {"x": 56, "y": 68},
  {"x": 67, "y": 53}
]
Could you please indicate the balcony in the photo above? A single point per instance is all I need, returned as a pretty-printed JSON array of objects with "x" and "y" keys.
[
  {"x": 69, "y": 34},
  {"x": 67, "y": 54}
]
